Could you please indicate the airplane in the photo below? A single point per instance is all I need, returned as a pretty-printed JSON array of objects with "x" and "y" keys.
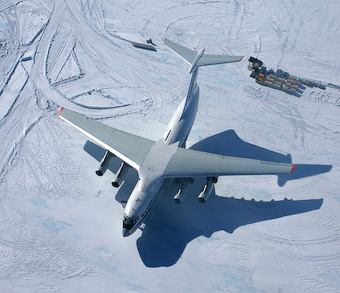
[{"x": 167, "y": 158}]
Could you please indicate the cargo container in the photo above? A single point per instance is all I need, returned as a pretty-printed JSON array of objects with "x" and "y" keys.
[{"x": 279, "y": 80}]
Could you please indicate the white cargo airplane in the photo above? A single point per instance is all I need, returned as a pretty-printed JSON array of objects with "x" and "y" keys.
[{"x": 167, "y": 158}]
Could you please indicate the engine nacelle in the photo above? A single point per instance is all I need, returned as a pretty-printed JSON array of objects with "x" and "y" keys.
[
  {"x": 104, "y": 163},
  {"x": 121, "y": 173},
  {"x": 183, "y": 190},
  {"x": 207, "y": 188}
]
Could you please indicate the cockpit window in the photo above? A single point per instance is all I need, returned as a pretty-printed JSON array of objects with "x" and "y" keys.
[{"x": 129, "y": 222}]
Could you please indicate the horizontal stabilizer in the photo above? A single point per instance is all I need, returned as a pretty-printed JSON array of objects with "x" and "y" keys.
[
  {"x": 189, "y": 56},
  {"x": 186, "y": 54},
  {"x": 208, "y": 59}
]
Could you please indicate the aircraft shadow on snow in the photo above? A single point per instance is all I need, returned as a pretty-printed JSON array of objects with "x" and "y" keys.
[{"x": 170, "y": 227}]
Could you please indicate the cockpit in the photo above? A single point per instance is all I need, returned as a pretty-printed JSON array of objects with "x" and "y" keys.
[{"x": 129, "y": 222}]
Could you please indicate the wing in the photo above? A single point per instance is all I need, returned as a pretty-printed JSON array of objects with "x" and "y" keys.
[
  {"x": 131, "y": 148},
  {"x": 191, "y": 163}
]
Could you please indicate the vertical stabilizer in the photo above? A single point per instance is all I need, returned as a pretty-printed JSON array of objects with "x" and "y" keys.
[{"x": 196, "y": 60}]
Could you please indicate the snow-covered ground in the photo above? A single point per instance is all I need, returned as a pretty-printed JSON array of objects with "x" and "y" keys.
[{"x": 60, "y": 224}]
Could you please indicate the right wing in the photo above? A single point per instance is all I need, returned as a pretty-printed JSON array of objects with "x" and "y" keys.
[
  {"x": 131, "y": 148},
  {"x": 191, "y": 163}
]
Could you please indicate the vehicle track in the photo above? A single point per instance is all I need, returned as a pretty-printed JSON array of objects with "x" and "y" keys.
[{"x": 239, "y": 11}]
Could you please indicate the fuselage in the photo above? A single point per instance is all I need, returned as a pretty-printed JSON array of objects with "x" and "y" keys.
[{"x": 151, "y": 171}]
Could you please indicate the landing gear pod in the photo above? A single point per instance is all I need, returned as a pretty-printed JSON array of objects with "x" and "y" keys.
[
  {"x": 104, "y": 163},
  {"x": 207, "y": 188},
  {"x": 183, "y": 190},
  {"x": 120, "y": 175}
]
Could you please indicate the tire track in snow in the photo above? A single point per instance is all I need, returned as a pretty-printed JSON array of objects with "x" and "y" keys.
[
  {"x": 10, "y": 74},
  {"x": 300, "y": 249},
  {"x": 10, "y": 148},
  {"x": 37, "y": 74},
  {"x": 96, "y": 46},
  {"x": 9, "y": 4},
  {"x": 239, "y": 10},
  {"x": 29, "y": 249},
  {"x": 9, "y": 96},
  {"x": 302, "y": 243},
  {"x": 288, "y": 37},
  {"x": 41, "y": 171}
]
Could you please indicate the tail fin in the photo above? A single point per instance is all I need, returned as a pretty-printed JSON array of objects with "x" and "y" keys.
[{"x": 195, "y": 59}]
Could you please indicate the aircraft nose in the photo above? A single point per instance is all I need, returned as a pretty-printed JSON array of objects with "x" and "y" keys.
[{"x": 125, "y": 232}]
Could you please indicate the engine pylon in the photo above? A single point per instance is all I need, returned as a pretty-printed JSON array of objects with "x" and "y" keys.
[
  {"x": 207, "y": 188},
  {"x": 178, "y": 198},
  {"x": 120, "y": 175},
  {"x": 104, "y": 163}
]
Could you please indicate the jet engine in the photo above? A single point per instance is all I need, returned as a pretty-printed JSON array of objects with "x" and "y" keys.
[
  {"x": 104, "y": 163},
  {"x": 120, "y": 175},
  {"x": 207, "y": 188},
  {"x": 183, "y": 190}
]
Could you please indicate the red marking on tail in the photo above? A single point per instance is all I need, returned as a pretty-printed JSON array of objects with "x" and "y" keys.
[
  {"x": 60, "y": 110},
  {"x": 291, "y": 171}
]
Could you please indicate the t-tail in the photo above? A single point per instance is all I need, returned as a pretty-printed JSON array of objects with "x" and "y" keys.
[{"x": 195, "y": 60}]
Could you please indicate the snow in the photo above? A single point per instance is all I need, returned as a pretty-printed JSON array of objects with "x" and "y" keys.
[{"x": 60, "y": 224}]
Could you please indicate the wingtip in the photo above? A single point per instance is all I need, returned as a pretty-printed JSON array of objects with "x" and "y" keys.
[
  {"x": 240, "y": 59},
  {"x": 60, "y": 110},
  {"x": 291, "y": 171},
  {"x": 164, "y": 41}
]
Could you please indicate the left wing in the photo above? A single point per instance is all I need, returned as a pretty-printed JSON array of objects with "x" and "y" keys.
[
  {"x": 191, "y": 163},
  {"x": 131, "y": 148}
]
